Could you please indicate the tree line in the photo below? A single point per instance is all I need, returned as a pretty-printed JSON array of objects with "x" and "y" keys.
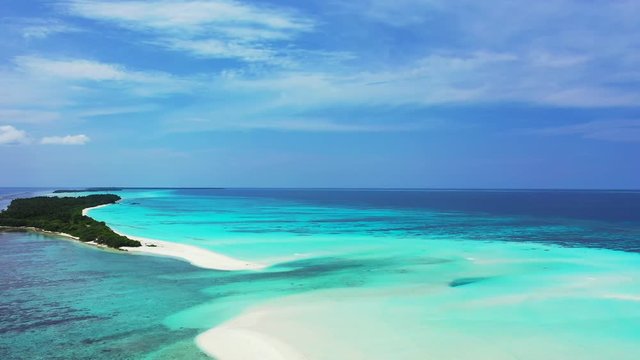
[{"x": 64, "y": 214}]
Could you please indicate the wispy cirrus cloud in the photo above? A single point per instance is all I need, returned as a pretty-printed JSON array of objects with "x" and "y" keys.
[
  {"x": 80, "y": 139},
  {"x": 213, "y": 48},
  {"x": 89, "y": 112},
  {"x": 559, "y": 68},
  {"x": 38, "y": 28},
  {"x": 567, "y": 53},
  {"x": 241, "y": 122},
  {"x": 473, "y": 77},
  {"x": 194, "y": 17},
  {"x": 75, "y": 69},
  {"x": 488, "y": 69},
  {"x": 216, "y": 29},
  {"x": 39, "y": 89},
  {"x": 60, "y": 71}
]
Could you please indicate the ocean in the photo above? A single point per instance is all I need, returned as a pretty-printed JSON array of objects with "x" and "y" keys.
[{"x": 351, "y": 274}]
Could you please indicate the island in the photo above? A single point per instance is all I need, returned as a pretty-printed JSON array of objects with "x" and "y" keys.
[
  {"x": 64, "y": 215},
  {"x": 92, "y": 189}
]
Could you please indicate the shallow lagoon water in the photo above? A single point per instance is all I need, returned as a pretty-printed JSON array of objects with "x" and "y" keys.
[
  {"x": 64, "y": 300},
  {"x": 367, "y": 277}
]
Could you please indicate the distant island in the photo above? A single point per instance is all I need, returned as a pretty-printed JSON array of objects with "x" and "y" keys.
[
  {"x": 64, "y": 215},
  {"x": 91, "y": 189}
]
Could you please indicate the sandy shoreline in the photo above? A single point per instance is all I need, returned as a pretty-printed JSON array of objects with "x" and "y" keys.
[
  {"x": 235, "y": 341},
  {"x": 42, "y": 231},
  {"x": 60, "y": 234},
  {"x": 85, "y": 212},
  {"x": 196, "y": 256}
]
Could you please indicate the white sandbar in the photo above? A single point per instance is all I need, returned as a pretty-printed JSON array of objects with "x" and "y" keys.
[{"x": 196, "y": 256}]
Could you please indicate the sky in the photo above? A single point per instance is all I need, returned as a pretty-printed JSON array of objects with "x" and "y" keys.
[{"x": 361, "y": 93}]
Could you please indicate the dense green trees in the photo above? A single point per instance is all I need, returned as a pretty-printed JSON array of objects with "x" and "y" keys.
[{"x": 64, "y": 214}]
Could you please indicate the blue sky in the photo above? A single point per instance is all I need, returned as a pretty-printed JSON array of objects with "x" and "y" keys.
[{"x": 362, "y": 93}]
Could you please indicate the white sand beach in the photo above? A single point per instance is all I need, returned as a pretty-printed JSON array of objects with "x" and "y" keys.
[
  {"x": 503, "y": 318},
  {"x": 319, "y": 326},
  {"x": 53, "y": 233},
  {"x": 237, "y": 341},
  {"x": 196, "y": 256},
  {"x": 85, "y": 212}
]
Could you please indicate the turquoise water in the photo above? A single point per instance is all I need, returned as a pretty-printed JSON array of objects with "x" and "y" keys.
[
  {"x": 261, "y": 225},
  {"x": 505, "y": 275},
  {"x": 62, "y": 300}
]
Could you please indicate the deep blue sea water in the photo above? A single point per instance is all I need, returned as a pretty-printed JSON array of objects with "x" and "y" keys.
[
  {"x": 603, "y": 205},
  {"x": 541, "y": 261}
]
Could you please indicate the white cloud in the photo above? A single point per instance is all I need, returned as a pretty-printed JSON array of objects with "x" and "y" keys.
[
  {"x": 38, "y": 29},
  {"x": 191, "y": 16},
  {"x": 9, "y": 135},
  {"x": 434, "y": 79},
  {"x": 504, "y": 62},
  {"x": 565, "y": 53},
  {"x": 215, "y": 28},
  {"x": 108, "y": 111},
  {"x": 300, "y": 124},
  {"x": 473, "y": 77},
  {"x": 212, "y": 48},
  {"x": 535, "y": 56},
  {"x": 65, "y": 140},
  {"x": 61, "y": 72},
  {"x": 76, "y": 69},
  {"x": 38, "y": 89}
]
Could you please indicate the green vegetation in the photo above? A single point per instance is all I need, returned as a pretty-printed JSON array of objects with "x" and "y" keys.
[{"x": 64, "y": 214}]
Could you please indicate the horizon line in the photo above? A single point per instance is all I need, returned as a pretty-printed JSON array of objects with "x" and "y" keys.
[{"x": 316, "y": 188}]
